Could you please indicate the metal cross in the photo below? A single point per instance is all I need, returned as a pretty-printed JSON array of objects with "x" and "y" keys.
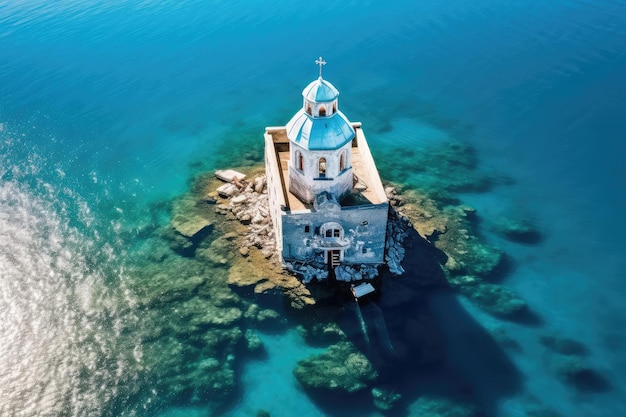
[{"x": 320, "y": 61}]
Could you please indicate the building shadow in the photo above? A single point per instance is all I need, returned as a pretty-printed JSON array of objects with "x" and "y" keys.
[{"x": 423, "y": 342}]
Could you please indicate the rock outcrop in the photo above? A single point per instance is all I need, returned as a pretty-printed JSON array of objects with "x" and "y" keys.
[{"x": 342, "y": 368}]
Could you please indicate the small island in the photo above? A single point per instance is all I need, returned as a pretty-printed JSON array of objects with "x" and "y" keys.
[{"x": 313, "y": 229}]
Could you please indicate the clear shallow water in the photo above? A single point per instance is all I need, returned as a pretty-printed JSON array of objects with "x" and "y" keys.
[{"x": 108, "y": 108}]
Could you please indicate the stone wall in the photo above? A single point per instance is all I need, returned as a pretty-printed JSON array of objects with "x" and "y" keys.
[
  {"x": 365, "y": 227},
  {"x": 277, "y": 199}
]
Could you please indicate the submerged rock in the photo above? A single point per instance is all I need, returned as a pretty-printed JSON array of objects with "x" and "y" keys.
[
  {"x": 253, "y": 342},
  {"x": 517, "y": 230},
  {"x": 385, "y": 399},
  {"x": 428, "y": 406},
  {"x": 563, "y": 345},
  {"x": 319, "y": 334},
  {"x": 578, "y": 373},
  {"x": 495, "y": 299},
  {"x": 341, "y": 369}
]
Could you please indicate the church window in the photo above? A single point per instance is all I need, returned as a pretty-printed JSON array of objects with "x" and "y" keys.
[
  {"x": 322, "y": 167},
  {"x": 299, "y": 161},
  {"x": 308, "y": 109},
  {"x": 334, "y": 107},
  {"x": 342, "y": 161},
  {"x": 329, "y": 233},
  {"x": 322, "y": 111},
  {"x": 335, "y": 232}
]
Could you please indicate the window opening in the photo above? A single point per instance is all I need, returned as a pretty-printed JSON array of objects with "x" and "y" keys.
[
  {"x": 307, "y": 229},
  {"x": 322, "y": 167},
  {"x": 300, "y": 161},
  {"x": 322, "y": 111}
]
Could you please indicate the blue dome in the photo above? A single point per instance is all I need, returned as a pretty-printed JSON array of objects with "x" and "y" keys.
[
  {"x": 327, "y": 133},
  {"x": 320, "y": 90}
]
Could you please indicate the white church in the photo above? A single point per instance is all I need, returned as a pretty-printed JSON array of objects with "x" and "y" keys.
[{"x": 327, "y": 202}]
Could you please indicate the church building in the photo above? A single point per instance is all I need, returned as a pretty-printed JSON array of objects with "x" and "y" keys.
[{"x": 327, "y": 202}]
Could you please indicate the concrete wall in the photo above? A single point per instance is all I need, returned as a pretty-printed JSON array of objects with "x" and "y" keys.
[{"x": 365, "y": 226}]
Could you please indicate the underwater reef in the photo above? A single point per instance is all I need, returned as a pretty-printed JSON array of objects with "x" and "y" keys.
[{"x": 211, "y": 267}]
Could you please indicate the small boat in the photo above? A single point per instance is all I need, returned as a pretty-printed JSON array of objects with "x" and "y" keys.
[
  {"x": 361, "y": 290},
  {"x": 229, "y": 175}
]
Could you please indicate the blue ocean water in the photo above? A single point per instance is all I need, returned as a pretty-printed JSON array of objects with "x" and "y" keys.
[{"x": 109, "y": 108}]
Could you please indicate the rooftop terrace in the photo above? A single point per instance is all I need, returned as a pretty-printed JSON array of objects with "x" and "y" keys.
[{"x": 368, "y": 188}]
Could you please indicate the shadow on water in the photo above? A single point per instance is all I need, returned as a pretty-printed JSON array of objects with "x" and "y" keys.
[{"x": 424, "y": 343}]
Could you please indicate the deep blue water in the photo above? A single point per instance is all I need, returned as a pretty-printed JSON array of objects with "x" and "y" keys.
[{"x": 107, "y": 108}]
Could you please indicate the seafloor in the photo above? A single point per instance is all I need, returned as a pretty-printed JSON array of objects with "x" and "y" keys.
[{"x": 397, "y": 354}]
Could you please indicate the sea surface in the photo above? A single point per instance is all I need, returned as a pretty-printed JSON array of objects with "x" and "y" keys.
[{"x": 108, "y": 109}]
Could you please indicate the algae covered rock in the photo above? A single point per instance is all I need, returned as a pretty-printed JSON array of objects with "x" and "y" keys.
[
  {"x": 517, "y": 230},
  {"x": 265, "y": 318},
  {"x": 563, "y": 345},
  {"x": 341, "y": 368},
  {"x": 495, "y": 299},
  {"x": 188, "y": 227},
  {"x": 317, "y": 334},
  {"x": 385, "y": 399},
  {"x": 163, "y": 288},
  {"x": 219, "y": 252},
  {"x": 467, "y": 254},
  {"x": 253, "y": 342},
  {"x": 578, "y": 373}
]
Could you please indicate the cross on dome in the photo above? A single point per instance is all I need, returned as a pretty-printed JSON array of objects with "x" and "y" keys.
[{"x": 320, "y": 61}]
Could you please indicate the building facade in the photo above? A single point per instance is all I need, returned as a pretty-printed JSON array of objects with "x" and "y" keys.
[{"x": 327, "y": 202}]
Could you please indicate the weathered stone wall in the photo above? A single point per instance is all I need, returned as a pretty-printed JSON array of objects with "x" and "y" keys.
[
  {"x": 307, "y": 189},
  {"x": 365, "y": 227},
  {"x": 274, "y": 189}
]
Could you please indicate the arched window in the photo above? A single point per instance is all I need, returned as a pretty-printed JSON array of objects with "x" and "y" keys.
[
  {"x": 299, "y": 161},
  {"x": 322, "y": 168},
  {"x": 308, "y": 109},
  {"x": 322, "y": 111},
  {"x": 342, "y": 161}
]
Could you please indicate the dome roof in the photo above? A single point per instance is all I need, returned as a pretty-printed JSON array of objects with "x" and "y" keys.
[
  {"x": 327, "y": 133},
  {"x": 320, "y": 90}
]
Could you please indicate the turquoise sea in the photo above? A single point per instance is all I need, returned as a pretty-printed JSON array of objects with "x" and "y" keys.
[{"x": 109, "y": 109}]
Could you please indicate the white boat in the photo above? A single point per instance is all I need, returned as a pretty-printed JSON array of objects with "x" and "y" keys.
[{"x": 362, "y": 290}]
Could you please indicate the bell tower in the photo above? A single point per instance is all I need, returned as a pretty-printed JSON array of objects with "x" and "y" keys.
[{"x": 320, "y": 139}]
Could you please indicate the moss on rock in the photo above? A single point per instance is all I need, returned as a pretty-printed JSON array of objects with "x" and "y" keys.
[
  {"x": 495, "y": 299},
  {"x": 341, "y": 368}
]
